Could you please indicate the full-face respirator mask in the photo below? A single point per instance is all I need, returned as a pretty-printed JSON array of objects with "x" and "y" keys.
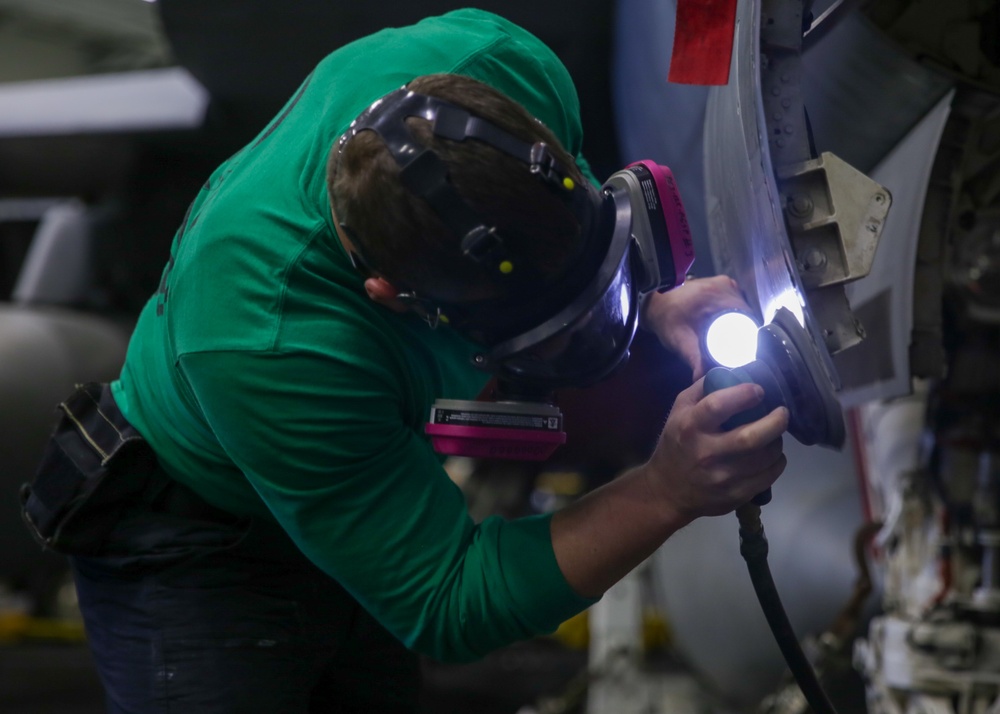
[{"x": 571, "y": 331}]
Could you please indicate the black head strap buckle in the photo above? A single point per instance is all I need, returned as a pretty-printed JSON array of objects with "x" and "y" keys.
[
  {"x": 544, "y": 165},
  {"x": 484, "y": 245}
]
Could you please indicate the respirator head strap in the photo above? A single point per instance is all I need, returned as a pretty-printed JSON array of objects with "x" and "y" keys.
[
  {"x": 426, "y": 175},
  {"x": 457, "y": 124}
]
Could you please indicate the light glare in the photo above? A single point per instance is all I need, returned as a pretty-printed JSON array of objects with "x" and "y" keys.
[
  {"x": 731, "y": 339},
  {"x": 789, "y": 299}
]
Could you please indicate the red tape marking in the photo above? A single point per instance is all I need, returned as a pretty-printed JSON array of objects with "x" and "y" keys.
[{"x": 703, "y": 42}]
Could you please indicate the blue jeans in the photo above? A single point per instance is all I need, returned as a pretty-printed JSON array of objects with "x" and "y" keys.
[
  {"x": 190, "y": 609},
  {"x": 208, "y": 617}
]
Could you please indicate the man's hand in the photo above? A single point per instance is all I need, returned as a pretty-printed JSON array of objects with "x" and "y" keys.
[
  {"x": 699, "y": 470},
  {"x": 680, "y": 317}
]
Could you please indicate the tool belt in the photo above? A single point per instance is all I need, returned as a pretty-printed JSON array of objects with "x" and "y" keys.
[{"x": 95, "y": 466}]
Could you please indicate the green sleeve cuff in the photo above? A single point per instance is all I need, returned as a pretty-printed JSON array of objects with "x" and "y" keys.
[{"x": 535, "y": 582}]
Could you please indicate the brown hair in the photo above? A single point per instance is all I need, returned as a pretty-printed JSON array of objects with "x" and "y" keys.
[{"x": 404, "y": 239}]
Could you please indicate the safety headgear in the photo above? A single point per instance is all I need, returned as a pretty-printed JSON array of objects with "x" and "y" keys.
[{"x": 571, "y": 329}]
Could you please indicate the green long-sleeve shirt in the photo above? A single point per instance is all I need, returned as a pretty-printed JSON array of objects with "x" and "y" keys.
[{"x": 269, "y": 383}]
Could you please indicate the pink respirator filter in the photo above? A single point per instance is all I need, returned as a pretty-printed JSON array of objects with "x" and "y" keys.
[
  {"x": 665, "y": 204},
  {"x": 526, "y": 431}
]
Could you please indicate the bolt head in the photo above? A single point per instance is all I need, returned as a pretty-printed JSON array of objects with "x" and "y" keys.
[
  {"x": 813, "y": 259},
  {"x": 800, "y": 205}
]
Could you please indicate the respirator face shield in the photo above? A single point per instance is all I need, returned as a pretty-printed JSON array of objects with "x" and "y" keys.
[{"x": 577, "y": 330}]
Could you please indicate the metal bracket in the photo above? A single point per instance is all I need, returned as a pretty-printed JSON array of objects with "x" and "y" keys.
[{"x": 835, "y": 215}]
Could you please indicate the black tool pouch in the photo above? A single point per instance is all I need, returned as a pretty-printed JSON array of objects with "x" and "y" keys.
[{"x": 93, "y": 467}]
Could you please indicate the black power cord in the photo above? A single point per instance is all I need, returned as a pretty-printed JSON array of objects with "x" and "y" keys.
[
  {"x": 753, "y": 548},
  {"x": 815, "y": 417}
]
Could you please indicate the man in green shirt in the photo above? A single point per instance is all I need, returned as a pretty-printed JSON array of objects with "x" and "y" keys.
[{"x": 307, "y": 536}]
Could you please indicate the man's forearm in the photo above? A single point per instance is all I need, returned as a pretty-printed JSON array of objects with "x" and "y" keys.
[{"x": 600, "y": 538}]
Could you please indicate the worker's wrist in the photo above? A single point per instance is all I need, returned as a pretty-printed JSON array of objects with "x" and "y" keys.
[{"x": 654, "y": 490}]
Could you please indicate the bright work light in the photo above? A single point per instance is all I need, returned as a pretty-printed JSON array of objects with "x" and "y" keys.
[{"x": 731, "y": 339}]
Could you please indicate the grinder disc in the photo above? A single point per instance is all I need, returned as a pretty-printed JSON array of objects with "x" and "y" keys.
[{"x": 815, "y": 416}]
